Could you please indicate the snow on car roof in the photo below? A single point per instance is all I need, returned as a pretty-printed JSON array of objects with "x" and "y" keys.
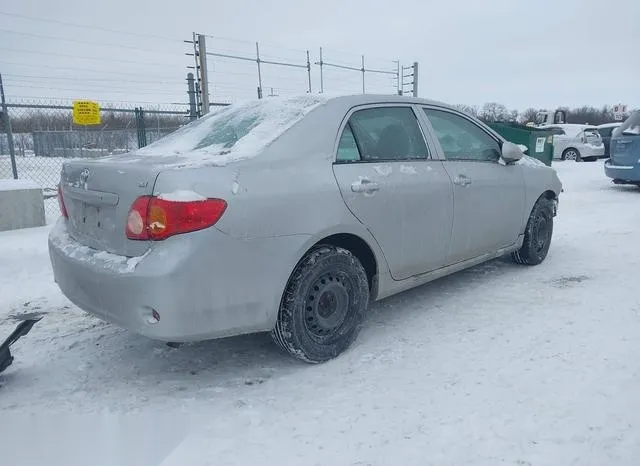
[{"x": 236, "y": 132}]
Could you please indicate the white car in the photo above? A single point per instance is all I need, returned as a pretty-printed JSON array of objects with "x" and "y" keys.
[{"x": 576, "y": 142}]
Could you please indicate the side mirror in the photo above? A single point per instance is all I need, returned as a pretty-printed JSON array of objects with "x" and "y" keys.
[
  {"x": 511, "y": 152},
  {"x": 523, "y": 148}
]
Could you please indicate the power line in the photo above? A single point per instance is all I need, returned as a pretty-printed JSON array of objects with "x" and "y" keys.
[
  {"x": 92, "y": 87},
  {"x": 75, "y": 78},
  {"x": 106, "y": 91},
  {"x": 83, "y": 57},
  {"x": 85, "y": 26},
  {"x": 71, "y": 68},
  {"x": 78, "y": 41}
]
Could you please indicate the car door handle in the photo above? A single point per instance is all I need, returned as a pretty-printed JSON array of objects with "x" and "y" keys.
[
  {"x": 462, "y": 180},
  {"x": 364, "y": 185}
]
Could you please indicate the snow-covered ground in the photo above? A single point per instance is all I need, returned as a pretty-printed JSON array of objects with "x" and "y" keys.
[{"x": 501, "y": 364}]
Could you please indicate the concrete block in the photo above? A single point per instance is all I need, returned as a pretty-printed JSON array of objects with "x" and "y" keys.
[{"x": 21, "y": 205}]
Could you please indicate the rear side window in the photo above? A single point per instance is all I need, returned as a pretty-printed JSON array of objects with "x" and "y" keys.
[
  {"x": 384, "y": 133},
  {"x": 348, "y": 148}
]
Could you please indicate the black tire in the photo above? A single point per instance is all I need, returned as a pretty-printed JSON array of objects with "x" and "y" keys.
[
  {"x": 537, "y": 235},
  {"x": 568, "y": 154},
  {"x": 323, "y": 305}
]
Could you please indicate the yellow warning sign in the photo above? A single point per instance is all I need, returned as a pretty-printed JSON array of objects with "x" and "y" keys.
[{"x": 86, "y": 112}]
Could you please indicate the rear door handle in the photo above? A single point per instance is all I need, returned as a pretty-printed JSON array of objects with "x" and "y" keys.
[
  {"x": 462, "y": 180},
  {"x": 364, "y": 185}
]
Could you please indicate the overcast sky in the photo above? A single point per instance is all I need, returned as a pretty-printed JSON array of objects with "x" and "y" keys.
[{"x": 520, "y": 53}]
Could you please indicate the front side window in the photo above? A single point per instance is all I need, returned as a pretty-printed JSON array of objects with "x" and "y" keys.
[
  {"x": 462, "y": 139},
  {"x": 384, "y": 133}
]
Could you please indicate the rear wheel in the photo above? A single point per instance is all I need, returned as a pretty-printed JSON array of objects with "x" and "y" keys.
[
  {"x": 323, "y": 305},
  {"x": 571, "y": 154},
  {"x": 537, "y": 235}
]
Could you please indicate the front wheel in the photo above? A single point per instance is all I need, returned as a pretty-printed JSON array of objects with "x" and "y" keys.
[
  {"x": 537, "y": 235},
  {"x": 323, "y": 305}
]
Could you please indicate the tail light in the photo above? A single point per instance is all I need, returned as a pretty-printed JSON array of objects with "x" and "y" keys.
[
  {"x": 63, "y": 209},
  {"x": 151, "y": 218}
]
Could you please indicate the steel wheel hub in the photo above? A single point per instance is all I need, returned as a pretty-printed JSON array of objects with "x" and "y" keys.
[{"x": 327, "y": 305}]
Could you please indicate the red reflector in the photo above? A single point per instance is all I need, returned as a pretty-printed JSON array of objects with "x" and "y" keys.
[
  {"x": 63, "y": 209},
  {"x": 151, "y": 218}
]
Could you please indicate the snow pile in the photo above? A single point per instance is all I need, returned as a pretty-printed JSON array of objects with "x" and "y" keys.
[
  {"x": 17, "y": 185},
  {"x": 115, "y": 263},
  {"x": 236, "y": 132}
]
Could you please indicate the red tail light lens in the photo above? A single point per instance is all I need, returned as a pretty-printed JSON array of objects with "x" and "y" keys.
[
  {"x": 63, "y": 209},
  {"x": 151, "y": 218}
]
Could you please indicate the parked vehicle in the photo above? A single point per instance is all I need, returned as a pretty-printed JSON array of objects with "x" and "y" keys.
[
  {"x": 624, "y": 165},
  {"x": 290, "y": 215},
  {"x": 576, "y": 142},
  {"x": 605, "y": 131},
  {"x": 546, "y": 118}
]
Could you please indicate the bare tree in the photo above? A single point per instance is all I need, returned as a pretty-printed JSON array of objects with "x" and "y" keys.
[
  {"x": 468, "y": 109},
  {"x": 528, "y": 115},
  {"x": 492, "y": 112}
]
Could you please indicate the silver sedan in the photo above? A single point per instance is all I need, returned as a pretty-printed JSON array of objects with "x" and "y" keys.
[{"x": 290, "y": 215}]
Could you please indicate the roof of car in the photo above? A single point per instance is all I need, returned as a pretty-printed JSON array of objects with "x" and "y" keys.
[
  {"x": 363, "y": 99},
  {"x": 610, "y": 125}
]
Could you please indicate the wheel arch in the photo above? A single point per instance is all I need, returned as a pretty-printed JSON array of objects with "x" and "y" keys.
[
  {"x": 360, "y": 244},
  {"x": 359, "y": 248},
  {"x": 567, "y": 149}
]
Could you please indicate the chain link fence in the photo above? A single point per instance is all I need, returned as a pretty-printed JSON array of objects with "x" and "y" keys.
[{"x": 44, "y": 136}]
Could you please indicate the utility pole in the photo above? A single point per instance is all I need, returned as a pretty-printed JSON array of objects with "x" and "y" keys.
[
  {"x": 191, "y": 90},
  {"x": 363, "y": 70},
  {"x": 7, "y": 125},
  {"x": 204, "y": 75},
  {"x": 415, "y": 79},
  {"x": 259, "y": 71}
]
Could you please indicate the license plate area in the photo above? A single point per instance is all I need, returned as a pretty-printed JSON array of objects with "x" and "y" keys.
[{"x": 90, "y": 220}]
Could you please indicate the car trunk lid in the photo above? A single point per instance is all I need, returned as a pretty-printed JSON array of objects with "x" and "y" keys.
[{"x": 98, "y": 195}]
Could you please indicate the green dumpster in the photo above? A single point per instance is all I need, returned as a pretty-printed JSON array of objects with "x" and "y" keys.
[{"x": 539, "y": 141}]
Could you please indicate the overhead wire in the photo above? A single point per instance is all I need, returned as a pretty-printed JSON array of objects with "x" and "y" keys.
[{"x": 86, "y": 26}]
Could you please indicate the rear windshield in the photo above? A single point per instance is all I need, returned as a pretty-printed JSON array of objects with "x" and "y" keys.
[
  {"x": 240, "y": 129},
  {"x": 631, "y": 126},
  {"x": 591, "y": 132}
]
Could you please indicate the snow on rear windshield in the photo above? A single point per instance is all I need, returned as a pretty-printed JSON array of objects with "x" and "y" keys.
[{"x": 235, "y": 132}]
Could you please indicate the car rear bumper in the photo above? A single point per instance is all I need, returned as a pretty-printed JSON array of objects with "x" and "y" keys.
[
  {"x": 198, "y": 294},
  {"x": 628, "y": 173}
]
